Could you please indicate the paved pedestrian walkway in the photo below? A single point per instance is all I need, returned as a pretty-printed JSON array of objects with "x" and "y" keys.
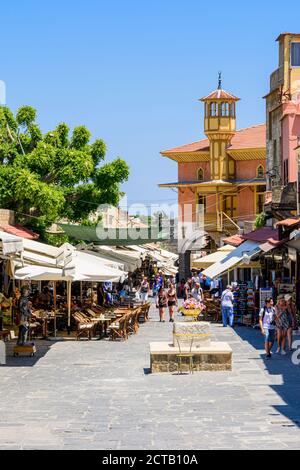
[{"x": 100, "y": 395}]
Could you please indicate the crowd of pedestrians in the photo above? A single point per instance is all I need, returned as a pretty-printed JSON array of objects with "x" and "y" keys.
[{"x": 277, "y": 323}]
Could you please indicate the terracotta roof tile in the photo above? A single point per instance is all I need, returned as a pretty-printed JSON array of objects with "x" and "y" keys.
[
  {"x": 289, "y": 222},
  {"x": 265, "y": 234},
  {"x": 235, "y": 240},
  {"x": 249, "y": 138},
  {"x": 19, "y": 231},
  {"x": 220, "y": 95}
]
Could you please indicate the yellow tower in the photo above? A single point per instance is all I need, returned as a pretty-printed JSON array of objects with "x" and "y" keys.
[{"x": 220, "y": 127}]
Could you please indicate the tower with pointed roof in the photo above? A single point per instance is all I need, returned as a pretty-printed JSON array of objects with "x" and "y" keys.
[
  {"x": 221, "y": 179},
  {"x": 220, "y": 127}
]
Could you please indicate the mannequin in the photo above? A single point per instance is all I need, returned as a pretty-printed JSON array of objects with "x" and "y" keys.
[{"x": 25, "y": 315}]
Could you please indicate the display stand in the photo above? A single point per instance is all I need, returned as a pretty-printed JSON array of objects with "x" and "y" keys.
[
  {"x": 244, "y": 304},
  {"x": 29, "y": 349}
]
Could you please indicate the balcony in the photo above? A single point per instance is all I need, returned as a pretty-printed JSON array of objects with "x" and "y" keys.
[
  {"x": 277, "y": 79},
  {"x": 220, "y": 222}
]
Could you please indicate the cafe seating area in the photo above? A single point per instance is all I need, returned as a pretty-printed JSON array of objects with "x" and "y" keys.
[{"x": 116, "y": 324}]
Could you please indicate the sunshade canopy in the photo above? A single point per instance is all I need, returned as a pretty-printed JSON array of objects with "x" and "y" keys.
[
  {"x": 217, "y": 256},
  {"x": 243, "y": 254}
]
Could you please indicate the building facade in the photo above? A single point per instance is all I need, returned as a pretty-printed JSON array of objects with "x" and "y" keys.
[
  {"x": 221, "y": 179},
  {"x": 283, "y": 128}
]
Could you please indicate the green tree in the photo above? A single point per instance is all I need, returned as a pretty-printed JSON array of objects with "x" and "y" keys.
[
  {"x": 260, "y": 220},
  {"x": 44, "y": 178}
]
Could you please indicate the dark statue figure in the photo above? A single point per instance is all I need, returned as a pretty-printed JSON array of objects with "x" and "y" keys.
[{"x": 25, "y": 316}]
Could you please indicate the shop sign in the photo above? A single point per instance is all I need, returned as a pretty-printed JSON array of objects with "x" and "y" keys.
[
  {"x": 293, "y": 254},
  {"x": 264, "y": 294}
]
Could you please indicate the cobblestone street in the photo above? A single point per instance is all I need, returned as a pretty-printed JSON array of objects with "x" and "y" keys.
[{"x": 100, "y": 395}]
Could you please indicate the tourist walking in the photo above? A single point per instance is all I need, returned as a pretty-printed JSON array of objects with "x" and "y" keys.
[
  {"x": 172, "y": 301},
  {"x": 162, "y": 303},
  {"x": 227, "y": 307},
  {"x": 144, "y": 290},
  {"x": 283, "y": 324},
  {"x": 181, "y": 289},
  {"x": 157, "y": 285},
  {"x": 188, "y": 289},
  {"x": 197, "y": 293},
  {"x": 292, "y": 311},
  {"x": 195, "y": 278},
  {"x": 267, "y": 323}
]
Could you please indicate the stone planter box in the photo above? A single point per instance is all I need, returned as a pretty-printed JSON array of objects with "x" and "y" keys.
[{"x": 215, "y": 357}]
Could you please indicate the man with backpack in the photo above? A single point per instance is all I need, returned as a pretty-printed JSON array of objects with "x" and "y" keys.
[{"x": 267, "y": 323}]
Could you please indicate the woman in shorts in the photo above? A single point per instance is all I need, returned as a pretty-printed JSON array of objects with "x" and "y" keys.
[
  {"x": 172, "y": 301},
  {"x": 162, "y": 303},
  {"x": 283, "y": 324}
]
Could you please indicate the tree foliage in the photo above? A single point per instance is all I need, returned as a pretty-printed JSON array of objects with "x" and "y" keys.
[
  {"x": 260, "y": 220},
  {"x": 47, "y": 177}
]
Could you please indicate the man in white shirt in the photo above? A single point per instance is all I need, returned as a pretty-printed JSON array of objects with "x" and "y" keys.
[
  {"x": 195, "y": 279},
  {"x": 197, "y": 292},
  {"x": 227, "y": 307}
]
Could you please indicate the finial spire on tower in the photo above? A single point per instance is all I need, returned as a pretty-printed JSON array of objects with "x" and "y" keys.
[{"x": 220, "y": 81}]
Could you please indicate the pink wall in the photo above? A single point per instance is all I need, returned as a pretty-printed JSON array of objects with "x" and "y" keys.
[
  {"x": 248, "y": 170},
  {"x": 188, "y": 171},
  {"x": 187, "y": 202},
  {"x": 246, "y": 202},
  {"x": 290, "y": 134}
]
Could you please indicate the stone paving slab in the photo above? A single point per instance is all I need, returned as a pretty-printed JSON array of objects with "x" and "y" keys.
[{"x": 100, "y": 395}]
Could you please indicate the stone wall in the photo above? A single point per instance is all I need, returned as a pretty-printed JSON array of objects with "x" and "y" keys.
[
  {"x": 7, "y": 217},
  {"x": 161, "y": 363}
]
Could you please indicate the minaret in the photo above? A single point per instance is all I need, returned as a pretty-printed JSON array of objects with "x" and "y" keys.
[{"x": 220, "y": 127}]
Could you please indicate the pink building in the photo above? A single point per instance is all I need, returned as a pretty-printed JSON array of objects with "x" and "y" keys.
[{"x": 290, "y": 139}]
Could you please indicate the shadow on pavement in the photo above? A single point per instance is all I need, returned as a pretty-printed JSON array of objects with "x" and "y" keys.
[
  {"x": 24, "y": 360},
  {"x": 282, "y": 366}
]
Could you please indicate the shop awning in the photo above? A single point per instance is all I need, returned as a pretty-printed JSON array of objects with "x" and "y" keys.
[
  {"x": 38, "y": 261},
  {"x": 81, "y": 267},
  {"x": 241, "y": 255},
  {"x": 217, "y": 256},
  {"x": 169, "y": 271},
  {"x": 130, "y": 259},
  {"x": 87, "y": 267},
  {"x": 39, "y": 273},
  {"x": 10, "y": 244}
]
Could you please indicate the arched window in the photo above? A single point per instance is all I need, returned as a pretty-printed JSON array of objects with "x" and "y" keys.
[
  {"x": 225, "y": 109},
  {"x": 200, "y": 175},
  {"x": 260, "y": 173},
  {"x": 214, "y": 109}
]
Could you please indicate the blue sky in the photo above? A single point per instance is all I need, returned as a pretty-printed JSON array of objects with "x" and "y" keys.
[{"x": 133, "y": 71}]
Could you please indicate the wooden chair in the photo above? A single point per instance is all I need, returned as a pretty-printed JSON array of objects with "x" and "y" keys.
[
  {"x": 85, "y": 328},
  {"x": 118, "y": 330},
  {"x": 136, "y": 320},
  {"x": 144, "y": 313},
  {"x": 133, "y": 321}
]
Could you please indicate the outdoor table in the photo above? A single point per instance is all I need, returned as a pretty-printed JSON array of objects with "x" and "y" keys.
[
  {"x": 46, "y": 319},
  {"x": 104, "y": 324}
]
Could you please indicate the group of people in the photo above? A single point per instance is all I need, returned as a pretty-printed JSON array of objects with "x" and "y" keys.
[
  {"x": 195, "y": 285},
  {"x": 277, "y": 323},
  {"x": 164, "y": 292}
]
